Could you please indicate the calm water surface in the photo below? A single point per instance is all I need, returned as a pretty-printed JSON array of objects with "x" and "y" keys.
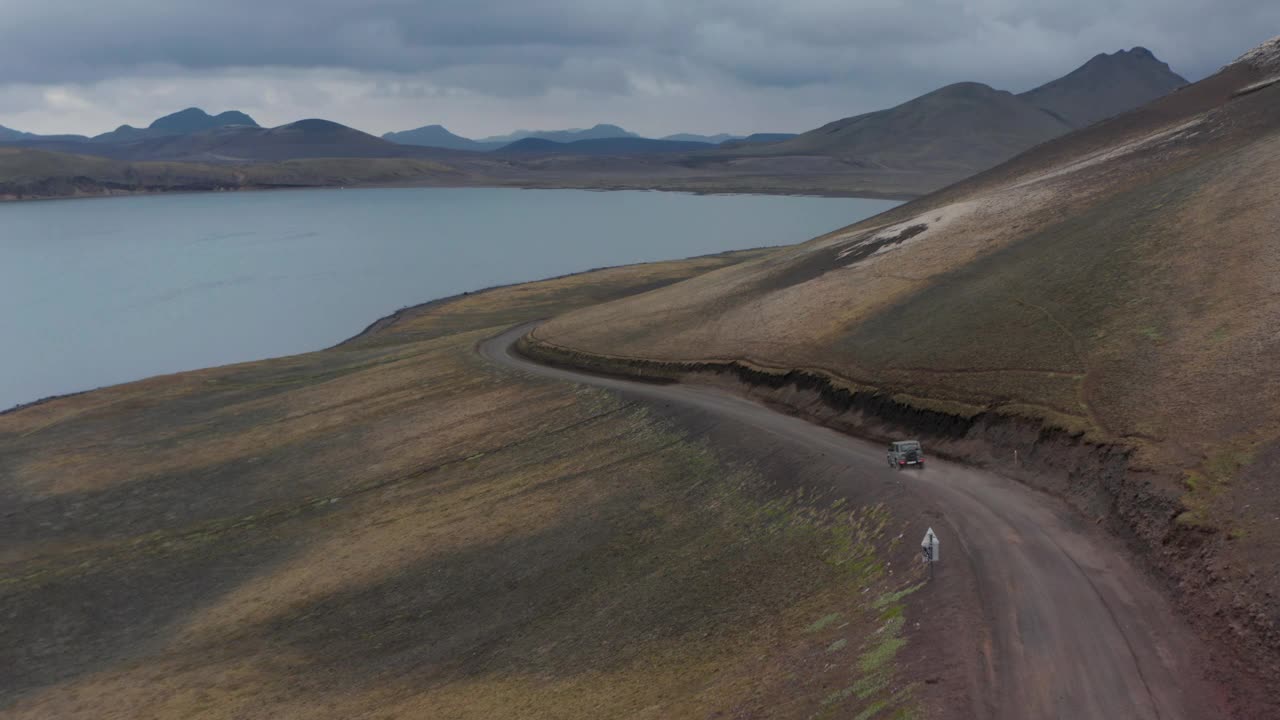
[{"x": 96, "y": 292}]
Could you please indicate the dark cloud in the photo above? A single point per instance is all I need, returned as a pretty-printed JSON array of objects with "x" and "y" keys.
[
  {"x": 800, "y": 41},
  {"x": 854, "y": 51}
]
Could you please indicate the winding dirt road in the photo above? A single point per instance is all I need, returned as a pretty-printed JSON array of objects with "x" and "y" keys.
[{"x": 1071, "y": 628}]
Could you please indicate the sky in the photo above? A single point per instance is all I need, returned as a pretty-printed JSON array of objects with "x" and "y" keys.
[{"x": 487, "y": 67}]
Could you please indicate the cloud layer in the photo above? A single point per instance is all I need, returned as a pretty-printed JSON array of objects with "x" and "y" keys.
[{"x": 489, "y": 65}]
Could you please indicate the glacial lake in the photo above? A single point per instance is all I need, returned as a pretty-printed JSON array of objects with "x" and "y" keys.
[{"x": 102, "y": 291}]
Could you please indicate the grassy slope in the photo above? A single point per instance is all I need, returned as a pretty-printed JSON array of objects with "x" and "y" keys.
[
  {"x": 1053, "y": 292},
  {"x": 391, "y": 528},
  {"x": 1119, "y": 283}
]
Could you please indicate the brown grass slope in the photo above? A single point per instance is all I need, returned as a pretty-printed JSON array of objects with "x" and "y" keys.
[
  {"x": 1119, "y": 283},
  {"x": 392, "y": 528}
]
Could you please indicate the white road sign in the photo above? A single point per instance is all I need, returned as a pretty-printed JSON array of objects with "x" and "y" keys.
[{"x": 929, "y": 546}]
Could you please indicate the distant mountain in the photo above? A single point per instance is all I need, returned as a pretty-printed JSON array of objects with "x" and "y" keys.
[
  {"x": 9, "y": 135},
  {"x": 244, "y": 143},
  {"x": 195, "y": 119},
  {"x": 597, "y": 132},
  {"x": 180, "y": 123},
  {"x": 759, "y": 139},
  {"x": 768, "y": 137},
  {"x": 966, "y": 125},
  {"x": 963, "y": 128},
  {"x": 692, "y": 137},
  {"x": 437, "y": 136},
  {"x": 602, "y": 146},
  {"x": 1107, "y": 85}
]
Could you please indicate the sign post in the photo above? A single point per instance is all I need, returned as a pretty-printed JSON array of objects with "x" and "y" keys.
[{"x": 929, "y": 549}]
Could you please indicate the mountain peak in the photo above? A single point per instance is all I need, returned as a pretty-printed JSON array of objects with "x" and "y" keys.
[
  {"x": 436, "y": 136},
  {"x": 189, "y": 115},
  {"x": 1107, "y": 85},
  {"x": 1132, "y": 56},
  {"x": 316, "y": 125},
  {"x": 193, "y": 119},
  {"x": 964, "y": 89}
]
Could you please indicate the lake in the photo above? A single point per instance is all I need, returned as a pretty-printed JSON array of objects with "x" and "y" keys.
[{"x": 101, "y": 291}]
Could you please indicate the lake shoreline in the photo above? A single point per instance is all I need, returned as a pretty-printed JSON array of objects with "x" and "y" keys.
[
  {"x": 725, "y": 189},
  {"x": 392, "y": 318},
  {"x": 191, "y": 281}
]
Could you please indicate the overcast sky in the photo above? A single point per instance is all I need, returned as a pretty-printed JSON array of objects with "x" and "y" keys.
[{"x": 485, "y": 67}]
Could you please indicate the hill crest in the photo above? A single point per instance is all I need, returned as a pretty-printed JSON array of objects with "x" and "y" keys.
[
  {"x": 1265, "y": 56},
  {"x": 1105, "y": 86}
]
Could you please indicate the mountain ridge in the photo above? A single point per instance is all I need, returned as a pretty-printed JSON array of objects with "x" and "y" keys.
[
  {"x": 967, "y": 127},
  {"x": 182, "y": 122},
  {"x": 1104, "y": 86}
]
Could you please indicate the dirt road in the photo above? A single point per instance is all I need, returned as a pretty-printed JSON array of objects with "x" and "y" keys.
[{"x": 1070, "y": 627}]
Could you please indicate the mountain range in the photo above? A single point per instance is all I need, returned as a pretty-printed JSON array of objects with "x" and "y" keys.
[
  {"x": 1107, "y": 85},
  {"x": 183, "y": 122},
  {"x": 603, "y": 146},
  {"x": 907, "y": 150},
  {"x": 440, "y": 137}
]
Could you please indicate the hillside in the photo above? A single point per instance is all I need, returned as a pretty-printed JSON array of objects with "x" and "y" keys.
[
  {"x": 1105, "y": 305},
  {"x": 300, "y": 140},
  {"x": 1107, "y": 85},
  {"x": 395, "y": 528}
]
